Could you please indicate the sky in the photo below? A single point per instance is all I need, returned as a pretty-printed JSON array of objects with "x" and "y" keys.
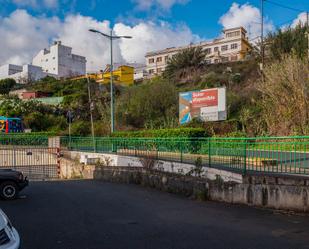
[{"x": 27, "y": 26}]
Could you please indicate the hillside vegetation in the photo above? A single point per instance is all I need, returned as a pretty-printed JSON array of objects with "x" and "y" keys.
[{"x": 276, "y": 104}]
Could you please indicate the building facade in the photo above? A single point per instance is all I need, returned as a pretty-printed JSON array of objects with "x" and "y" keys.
[
  {"x": 233, "y": 46},
  {"x": 9, "y": 69},
  {"x": 22, "y": 74},
  {"x": 57, "y": 61},
  {"x": 60, "y": 61}
]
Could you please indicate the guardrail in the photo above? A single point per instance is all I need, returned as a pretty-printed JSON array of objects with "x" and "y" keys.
[
  {"x": 24, "y": 139},
  {"x": 262, "y": 154}
]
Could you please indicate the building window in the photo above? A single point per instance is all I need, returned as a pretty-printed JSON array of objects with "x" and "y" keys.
[
  {"x": 225, "y": 59},
  {"x": 159, "y": 70},
  {"x": 166, "y": 58},
  {"x": 151, "y": 71},
  {"x": 54, "y": 58},
  {"x": 159, "y": 59},
  {"x": 233, "y": 34},
  {"x": 216, "y": 49},
  {"x": 151, "y": 60},
  {"x": 208, "y": 61},
  {"x": 208, "y": 50},
  {"x": 224, "y": 47},
  {"x": 54, "y": 69},
  {"x": 217, "y": 60},
  {"x": 234, "y": 58},
  {"x": 234, "y": 46},
  {"x": 46, "y": 60}
]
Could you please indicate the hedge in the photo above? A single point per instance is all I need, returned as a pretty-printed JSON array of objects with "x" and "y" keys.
[{"x": 164, "y": 133}]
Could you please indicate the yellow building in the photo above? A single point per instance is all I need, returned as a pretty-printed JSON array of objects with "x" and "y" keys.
[{"x": 123, "y": 75}]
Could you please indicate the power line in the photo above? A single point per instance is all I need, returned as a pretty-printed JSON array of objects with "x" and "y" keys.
[
  {"x": 285, "y": 22},
  {"x": 285, "y": 6}
]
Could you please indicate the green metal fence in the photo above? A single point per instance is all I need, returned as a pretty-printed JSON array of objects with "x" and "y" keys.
[
  {"x": 24, "y": 139},
  {"x": 261, "y": 154}
]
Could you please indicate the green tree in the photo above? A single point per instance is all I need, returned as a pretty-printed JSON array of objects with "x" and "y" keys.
[
  {"x": 286, "y": 41},
  {"x": 185, "y": 64},
  {"x": 6, "y": 85},
  {"x": 285, "y": 96},
  {"x": 150, "y": 105}
]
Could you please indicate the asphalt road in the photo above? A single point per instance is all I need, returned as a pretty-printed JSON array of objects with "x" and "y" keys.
[{"x": 99, "y": 215}]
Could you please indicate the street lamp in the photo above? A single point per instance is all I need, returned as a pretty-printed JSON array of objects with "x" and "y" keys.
[{"x": 111, "y": 37}]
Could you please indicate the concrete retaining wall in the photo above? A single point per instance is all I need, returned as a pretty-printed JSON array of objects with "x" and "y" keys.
[
  {"x": 278, "y": 192},
  {"x": 170, "y": 167},
  {"x": 260, "y": 191}
]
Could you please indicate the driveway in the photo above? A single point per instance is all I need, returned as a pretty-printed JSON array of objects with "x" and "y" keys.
[{"x": 98, "y": 215}]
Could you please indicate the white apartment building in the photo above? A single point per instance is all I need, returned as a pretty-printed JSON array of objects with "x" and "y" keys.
[
  {"x": 233, "y": 46},
  {"x": 60, "y": 61},
  {"x": 22, "y": 74},
  {"x": 57, "y": 61},
  {"x": 9, "y": 69}
]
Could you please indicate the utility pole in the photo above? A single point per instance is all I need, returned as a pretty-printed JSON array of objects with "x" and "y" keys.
[
  {"x": 262, "y": 35},
  {"x": 111, "y": 37},
  {"x": 307, "y": 25},
  {"x": 112, "y": 85},
  {"x": 91, "y": 107}
]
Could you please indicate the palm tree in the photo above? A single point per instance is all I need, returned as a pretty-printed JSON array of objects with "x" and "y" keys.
[{"x": 185, "y": 64}]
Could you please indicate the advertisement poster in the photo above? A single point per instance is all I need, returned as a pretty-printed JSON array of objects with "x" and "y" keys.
[{"x": 207, "y": 105}]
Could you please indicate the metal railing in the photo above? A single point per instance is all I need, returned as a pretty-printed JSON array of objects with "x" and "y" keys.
[
  {"x": 261, "y": 154},
  {"x": 23, "y": 139}
]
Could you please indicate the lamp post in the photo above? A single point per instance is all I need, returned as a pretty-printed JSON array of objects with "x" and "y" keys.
[{"x": 111, "y": 37}]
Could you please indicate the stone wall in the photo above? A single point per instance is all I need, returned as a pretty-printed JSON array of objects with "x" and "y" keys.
[
  {"x": 166, "y": 166},
  {"x": 286, "y": 192}
]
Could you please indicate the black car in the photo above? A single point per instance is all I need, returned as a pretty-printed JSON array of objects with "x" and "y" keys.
[{"x": 11, "y": 183}]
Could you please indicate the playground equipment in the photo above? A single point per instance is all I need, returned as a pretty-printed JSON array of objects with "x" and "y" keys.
[{"x": 10, "y": 125}]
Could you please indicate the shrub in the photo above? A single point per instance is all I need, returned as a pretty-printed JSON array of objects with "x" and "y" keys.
[
  {"x": 81, "y": 128},
  {"x": 164, "y": 133},
  {"x": 6, "y": 85}
]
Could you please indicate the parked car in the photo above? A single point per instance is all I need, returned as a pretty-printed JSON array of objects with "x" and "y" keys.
[
  {"x": 11, "y": 183},
  {"x": 9, "y": 237}
]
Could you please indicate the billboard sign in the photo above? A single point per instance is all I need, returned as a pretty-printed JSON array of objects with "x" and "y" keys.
[{"x": 207, "y": 105}]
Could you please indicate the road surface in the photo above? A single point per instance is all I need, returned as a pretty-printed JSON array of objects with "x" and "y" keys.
[{"x": 98, "y": 215}]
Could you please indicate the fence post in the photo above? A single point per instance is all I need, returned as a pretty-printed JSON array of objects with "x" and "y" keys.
[
  {"x": 181, "y": 151},
  {"x": 95, "y": 145},
  {"x": 14, "y": 157},
  {"x": 245, "y": 158},
  {"x": 209, "y": 153},
  {"x": 58, "y": 162}
]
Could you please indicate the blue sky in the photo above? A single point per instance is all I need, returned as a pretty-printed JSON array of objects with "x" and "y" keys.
[
  {"x": 200, "y": 15},
  {"x": 176, "y": 22}
]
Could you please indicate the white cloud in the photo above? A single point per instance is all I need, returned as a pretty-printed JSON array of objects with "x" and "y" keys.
[
  {"x": 247, "y": 16},
  {"x": 37, "y": 3},
  {"x": 23, "y": 35},
  {"x": 149, "y": 36},
  {"x": 74, "y": 33},
  {"x": 301, "y": 19},
  {"x": 162, "y": 4}
]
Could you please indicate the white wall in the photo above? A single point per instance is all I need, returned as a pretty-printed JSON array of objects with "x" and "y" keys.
[
  {"x": 60, "y": 61},
  {"x": 173, "y": 167},
  {"x": 9, "y": 69}
]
